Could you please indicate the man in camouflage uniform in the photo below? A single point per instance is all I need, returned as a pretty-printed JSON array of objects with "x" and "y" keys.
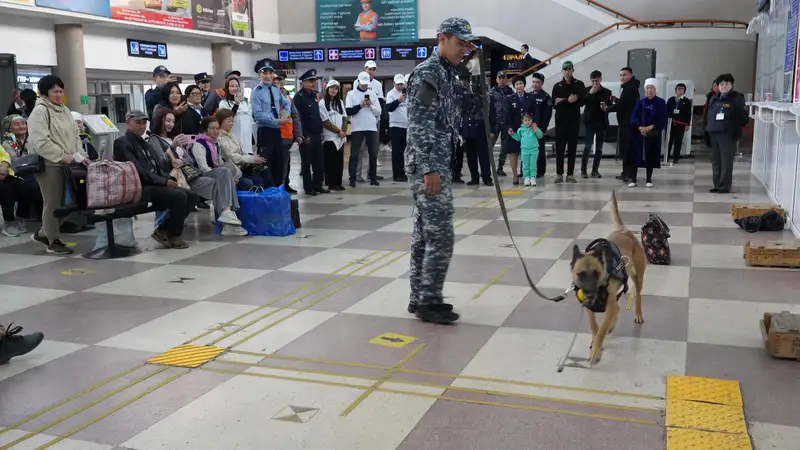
[
  {"x": 434, "y": 116},
  {"x": 12, "y": 344}
]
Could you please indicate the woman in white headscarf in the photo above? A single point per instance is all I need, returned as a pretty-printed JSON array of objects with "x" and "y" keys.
[{"x": 648, "y": 120}]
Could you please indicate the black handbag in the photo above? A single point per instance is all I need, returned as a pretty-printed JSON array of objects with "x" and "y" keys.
[
  {"x": 190, "y": 172},
  {"x": 27, "y": 165},
  {"x": 75, "y": 185},
  {"x": 769, "y": 221}
]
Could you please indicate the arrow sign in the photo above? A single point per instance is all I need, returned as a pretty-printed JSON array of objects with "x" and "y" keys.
[
  {"x": 181, "y": 280},
  {"x": 391, "y": 339}
]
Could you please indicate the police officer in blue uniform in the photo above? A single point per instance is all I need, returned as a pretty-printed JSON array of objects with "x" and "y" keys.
[
  {"x": 311, "y": 156},
  {"x": 270, "y": 110},
  {"x": 517, "y": 104},
  {"x": 203, "y": 81},
  {"x": 542, "y": 113}
]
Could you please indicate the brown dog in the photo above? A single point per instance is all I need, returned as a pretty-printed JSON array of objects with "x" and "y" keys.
[{"x": 593, "y": 273}]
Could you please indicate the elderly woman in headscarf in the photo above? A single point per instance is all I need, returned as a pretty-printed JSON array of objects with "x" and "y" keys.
[
  {"x": 648, "y": 120},
  {"x": 18, "y": 190}
]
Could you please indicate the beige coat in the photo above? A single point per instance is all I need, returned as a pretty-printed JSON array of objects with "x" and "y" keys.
[
  {"x": 52, "y": 132},
  {"x": 232, "y": 150}
]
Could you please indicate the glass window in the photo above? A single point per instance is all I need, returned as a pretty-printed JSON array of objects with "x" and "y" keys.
[
  {"x": 116, "y": 88},
  {"x": 126, "y": 88}
]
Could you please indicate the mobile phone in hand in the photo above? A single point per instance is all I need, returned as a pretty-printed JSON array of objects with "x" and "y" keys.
[{"x": 366, "y": 96}]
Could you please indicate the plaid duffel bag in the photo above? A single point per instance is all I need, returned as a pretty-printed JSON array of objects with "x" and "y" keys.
[{"x": 112, "y": 183}]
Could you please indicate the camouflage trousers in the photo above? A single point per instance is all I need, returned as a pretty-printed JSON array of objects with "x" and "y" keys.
[{"x": 431, "y": 242}]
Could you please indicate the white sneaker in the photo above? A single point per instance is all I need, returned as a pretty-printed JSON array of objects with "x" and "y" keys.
[
  {"x": 379, "y": 163},
  {"x": 632, "y": 185},
  {"x": 231, "y": 230},
  {"x": 533, "y": 181},
  {"x": 11, "y": 231},
  {"x": 229, "y": 218},
  {"x": 527, "y": 182},
  {"x": 649, "y": 184}
]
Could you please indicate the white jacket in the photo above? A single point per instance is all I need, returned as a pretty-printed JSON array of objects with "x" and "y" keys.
[
  {"x": 399, "y": 117},
  {"x": 336, "y": 118},
  {"x": 365, "y": 119}
]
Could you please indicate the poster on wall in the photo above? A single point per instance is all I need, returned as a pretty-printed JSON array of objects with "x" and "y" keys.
[
  {"x": 223, "y": 16},
  {"x": 167, "y": 13},
  {"x": 348, "y": 21},
  {"x": 93, "y": 7},
  {"x": 791, "y": 52}
]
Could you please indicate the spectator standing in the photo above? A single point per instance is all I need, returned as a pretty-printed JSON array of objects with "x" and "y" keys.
[
  {"x": 161, "y": 76},
  {"x": 203, "y": 81},
  {"x": 568, "y": 96},
  {"x": 528, "y": 136},
  {"x": 17, "y": 106},
  {"x": 270, "y": 110},
  {"x": 398, "y": 123},
  {"x": 291, "y": 131},
  {"x": 243, "y": 116},
  {"x": 375, "y": 86},
  {"x": 542, "y": 113},
  {"x": 158, "y": 187},
  {"x": 498, "y": 96},
  {"x": 623, "y": 107},
  {"x": 364, "y": 109},
  {"x": 727, "y": 116},
  {"x": 54, "y": 137},
  {"x": 527, "y": 59},
  {"x": 29, "y": 97},
  {"x": 648, "y": 120},
  {"x": 595, "y": 118},
  {"x": 473, "y": 133},
  {"x": 211, "y": 103},
  {"x": 517, "y": 105},
  {"x": 679, "y": 109},
  {"x": 333, "y": 115},
  {"x": 311, "y": 156}
]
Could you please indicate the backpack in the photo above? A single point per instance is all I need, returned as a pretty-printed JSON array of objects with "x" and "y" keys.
[
  {"x": 769, "y": 221},
  {"x": 655, "y": 240}
]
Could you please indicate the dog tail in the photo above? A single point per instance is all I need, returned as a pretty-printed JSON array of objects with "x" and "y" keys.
[{"x": 615, "y": 217}]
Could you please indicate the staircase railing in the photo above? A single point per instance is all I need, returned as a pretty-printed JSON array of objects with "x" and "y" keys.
[
  {"x": 609, "y": 10},
  {"x": 681, "y": 23}
]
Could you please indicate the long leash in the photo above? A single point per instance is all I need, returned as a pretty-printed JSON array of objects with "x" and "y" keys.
[{"x": 489, "y": 148}]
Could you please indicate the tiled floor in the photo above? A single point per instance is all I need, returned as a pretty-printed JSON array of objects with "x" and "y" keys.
[{"x": 304, "y": 315}]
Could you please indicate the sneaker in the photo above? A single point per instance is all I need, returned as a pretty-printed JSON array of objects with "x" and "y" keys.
[
  {"x": 571, "y": 179},
  {"x": 12, "y": 344},
  {"x": 439, "y": 314},
  {"x": 533, "y": 181},
  {"x": 559, "y": 179},
  {"x": 649, "y": 184},
  {"x": 177, "y": 243},
  {"x": 57, "y": 247},
  {"x": 11, "y": 230},
  {"x": 20, "y": 225},
  {"x": 230, "y": 230},
  {"x": 378, "y": 163},
  {"x": 632, "y": 184},
  {"x": 596, "y": 175},
  {"x": 584, "y": 175},
  {"x": 36, "y": 237},
  {"x": 527, "y": 181},
  {"x": 229, "y": 218}
]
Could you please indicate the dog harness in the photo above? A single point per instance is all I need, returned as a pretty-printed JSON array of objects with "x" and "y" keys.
[{"x": 615, "y": 269}]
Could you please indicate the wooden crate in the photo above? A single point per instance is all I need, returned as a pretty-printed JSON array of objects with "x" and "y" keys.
[
  {"x": 742, "y": 211},
  {"x": 773, "y": 254},
  {"x": 781, "y": 332}
]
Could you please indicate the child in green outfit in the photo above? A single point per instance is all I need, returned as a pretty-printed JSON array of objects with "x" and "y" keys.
[{"x": 528, "y": 135}]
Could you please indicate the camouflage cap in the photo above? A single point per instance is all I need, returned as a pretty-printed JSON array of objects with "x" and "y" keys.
[{"x": 458, "y": 27}]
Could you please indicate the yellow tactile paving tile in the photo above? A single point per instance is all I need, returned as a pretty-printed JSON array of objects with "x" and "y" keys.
[
  {"x": 681, "y": 439},
  {"x": 708, "y": 390},
  {"x": 705, "y": 416},
  {"x": 187, "y": 356}
]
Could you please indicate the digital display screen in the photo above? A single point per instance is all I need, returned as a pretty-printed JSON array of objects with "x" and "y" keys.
[
  {"x": 401, "y": 53},
  {"x": 147, "y": 49},
  {"x": 352, "y": 54},
  {"x": 301, "y": 54}
]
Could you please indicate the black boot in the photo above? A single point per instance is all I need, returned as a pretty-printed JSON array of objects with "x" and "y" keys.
[
  {"x": 439, "y": 313},
  {"x": 412, "y": 307},
  {"x": 12, "y": 344}
]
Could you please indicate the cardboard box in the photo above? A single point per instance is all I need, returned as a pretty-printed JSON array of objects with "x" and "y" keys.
[
  {"x": 742, "y": 211},
  {"x": 781, "y": 333}
]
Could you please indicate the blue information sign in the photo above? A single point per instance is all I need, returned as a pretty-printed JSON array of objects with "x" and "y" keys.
[{"x": 791, "y": 37}]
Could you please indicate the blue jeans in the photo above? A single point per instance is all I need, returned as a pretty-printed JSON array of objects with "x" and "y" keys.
[{"x": 594, "y": 134}]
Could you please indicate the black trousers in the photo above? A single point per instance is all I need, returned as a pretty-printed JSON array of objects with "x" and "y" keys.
[
  {"x": 179, "y": 203},
  {"x": 624, "y": 147},
  {"x": 478, "y": 154},
  {"x": 541, "y": 160},
  {"x": 398, "y": 138},
  {"x": 357, "y": 138},
  {"x": 271, "y": 148},
  {"x": 312, "y": 162},
  {"x": 458, "y": 162},
  {"x": 723, "y": 152},
  {"x": 287, "y": 145},
  {"x": 676, "y": 134},
  {"x": 19, "y": 192},
  {"x": 595, "y": 135},
  {"x": 334, "y": 164},
  {"x": 566, "y": 141}
]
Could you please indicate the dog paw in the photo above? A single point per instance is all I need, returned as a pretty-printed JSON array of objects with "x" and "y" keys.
[
  {"x": 594, "y": 356},
  {"x": 638, "y": 318},
  {"x": 611, "y": 330}
]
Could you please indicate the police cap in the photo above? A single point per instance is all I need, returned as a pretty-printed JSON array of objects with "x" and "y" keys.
[
  {"x": 264, "y": 65},
  {"x": 201, "y": 77},
  {"x": 161, "y": 70},
  {"x": 308, "y": 75}
]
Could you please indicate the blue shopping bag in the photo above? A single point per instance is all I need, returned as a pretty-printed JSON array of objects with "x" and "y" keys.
[{"x": 266, "y": 212}]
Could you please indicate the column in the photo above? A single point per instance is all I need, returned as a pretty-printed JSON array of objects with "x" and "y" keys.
[
  {"x": 72, "y": 65},
  {"x": 222, "y": 61}
]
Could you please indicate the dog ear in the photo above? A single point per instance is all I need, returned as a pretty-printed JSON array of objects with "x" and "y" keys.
[{"x": 576, "y": 253}]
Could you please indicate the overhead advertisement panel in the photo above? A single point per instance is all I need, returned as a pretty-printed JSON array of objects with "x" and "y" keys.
[
  {"x": 168, "y": 13},
  {"x": 93, "y": 7},
  {"x": 349, "y": 21}
]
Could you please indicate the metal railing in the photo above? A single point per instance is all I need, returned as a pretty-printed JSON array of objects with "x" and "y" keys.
[{"x": 609, "y": 10}]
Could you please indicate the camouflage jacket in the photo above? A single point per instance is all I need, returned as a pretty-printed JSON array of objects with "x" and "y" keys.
[
  {"x": 498, "y": 112},
  {"x": 435, "y": 98}
]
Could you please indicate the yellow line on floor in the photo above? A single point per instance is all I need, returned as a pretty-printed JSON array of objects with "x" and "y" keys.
[
  {"x": 380, "y": 382},
  {"x": 63, "y": 402},
  {"x": 438, "y": 397},
  {"x": 81, "y": 409},
  {"x": 543, "y": 236},
  {"x": 492, "y": 281},
  {"x": 448, "y": 387},
  {"x": 111, "y": 411},
  {"x": 450, "y": 375}
]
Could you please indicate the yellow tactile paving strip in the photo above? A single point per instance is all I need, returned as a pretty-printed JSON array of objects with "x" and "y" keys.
[
  {"x": 187, "y": 356},
  {"x": 705, "y": 414}
]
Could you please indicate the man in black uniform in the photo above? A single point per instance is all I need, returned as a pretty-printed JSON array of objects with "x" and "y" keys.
[
  {"x": 624, "y": 107},
  {"x": 498, "y": 96},
  {"x": 473, "y": 133},
  {"x": 542, "y": 113},
  {"x": 679, "y": 109},
  {"x": 595, "y": 118},
  {"x": 568, "y": 97},
  {"x": 311, "y": 156}
]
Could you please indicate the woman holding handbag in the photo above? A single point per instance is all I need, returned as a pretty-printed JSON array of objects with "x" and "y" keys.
[
  {"x": 54, "y": 137},
  {"x": 648, "y": 120}
]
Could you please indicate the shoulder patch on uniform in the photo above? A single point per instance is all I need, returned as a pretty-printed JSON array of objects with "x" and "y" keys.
[{"x": 426, "y": 93}]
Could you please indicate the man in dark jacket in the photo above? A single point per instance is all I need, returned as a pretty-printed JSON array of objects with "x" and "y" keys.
[
  {"x": 542, "y": 113},
  {"x": 624, "y": 107},
  {"x": 158, "y": 187},
  {"x": 595, "y": 118},
  {"x": 727, "y": 115},
  {"x": 161, "y": 76},
  {"x": 473, "y": 133},
  {"x": 311, "y": 156},
  {"x": 568, "y": 97},
  {"x": 498, "y": 96},
  {"x": 679, "y": 109}
]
